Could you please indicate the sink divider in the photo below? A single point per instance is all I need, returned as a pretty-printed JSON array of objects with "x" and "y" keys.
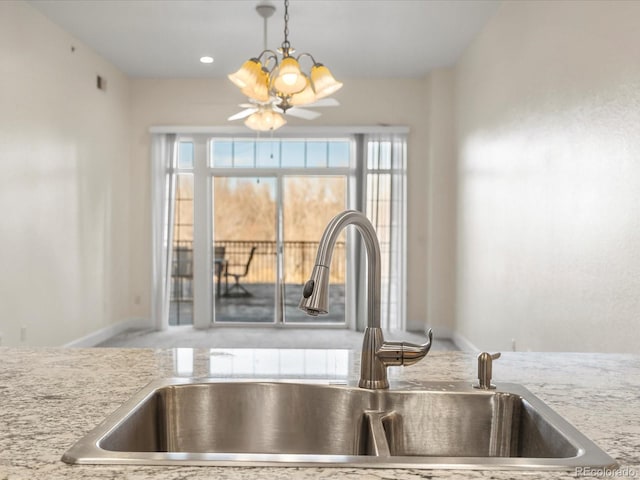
[
  {"x": 382, "y": 433},
  {"x": 503, "y": 441}
]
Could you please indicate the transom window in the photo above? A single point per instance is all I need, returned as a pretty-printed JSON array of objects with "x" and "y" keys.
[{"x": 280, "y": 153}]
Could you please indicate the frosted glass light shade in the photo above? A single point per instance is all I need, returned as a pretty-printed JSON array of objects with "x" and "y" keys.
[
  {"x": 305, "y": 97},
  {"x": 323, "y": 82},
  {"x": 259, "y": 89},
  {"x": 289, "y": 79},
  {"x": 247, "y": 75},
  {"x": 265, "y": 120}
]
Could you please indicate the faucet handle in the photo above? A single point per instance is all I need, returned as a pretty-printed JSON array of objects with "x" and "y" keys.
[
  {"x": 485, "y": 367},
  {"x": 404, "y": 353},
  {"x": 412, "y": 352}
]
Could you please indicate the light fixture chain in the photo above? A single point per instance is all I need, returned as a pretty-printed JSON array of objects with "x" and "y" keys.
[
  {"x": 286, "y": 45},
  {"x": 264, "y": 33}
]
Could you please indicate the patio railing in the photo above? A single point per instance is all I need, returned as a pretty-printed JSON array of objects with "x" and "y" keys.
[{"x": 298, "y": 258}]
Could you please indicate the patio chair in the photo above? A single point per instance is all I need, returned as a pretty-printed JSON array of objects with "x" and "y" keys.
[
  {"x": 219, "y": 266},
  {"x": 238, "y": 271}
]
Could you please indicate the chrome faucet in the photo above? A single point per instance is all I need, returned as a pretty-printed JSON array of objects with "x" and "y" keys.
[{"x": 377, "y": 354}]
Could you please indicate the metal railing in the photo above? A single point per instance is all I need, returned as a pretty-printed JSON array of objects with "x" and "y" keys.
[{"x": 298, "y": 260}]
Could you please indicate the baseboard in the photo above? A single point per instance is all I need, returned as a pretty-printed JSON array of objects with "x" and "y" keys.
[
  {"x": 106, "y": 333},
  {"x": 463, "y": 343}
]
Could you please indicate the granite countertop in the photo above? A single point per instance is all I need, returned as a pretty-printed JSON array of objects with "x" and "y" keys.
[{"x": 49, "y": 398}]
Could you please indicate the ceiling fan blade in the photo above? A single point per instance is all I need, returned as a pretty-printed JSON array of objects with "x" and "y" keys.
[
  {"x": 242, "y": 114},
  {"x": 324, "y": 102},
  {"x": 302, "y": 113},
  {"x": 247, "y": 105}
]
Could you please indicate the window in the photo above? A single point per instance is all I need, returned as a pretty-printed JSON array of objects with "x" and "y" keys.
[
  {"x": 280, "y": 153},
  {"x": 181, "y": 306},
  {"x": 247, "y": 214},
  {"x": 385, "y": 206}
]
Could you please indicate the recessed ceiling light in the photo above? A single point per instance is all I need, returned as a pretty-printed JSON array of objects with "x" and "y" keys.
[{"x": 206, "y": 59}]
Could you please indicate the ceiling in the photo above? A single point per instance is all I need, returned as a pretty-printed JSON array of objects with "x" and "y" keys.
[{"x": 355, "y": 38}]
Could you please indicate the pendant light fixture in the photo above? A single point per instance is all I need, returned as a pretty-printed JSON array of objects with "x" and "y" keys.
[
  {"x": 265, "y": 119},
  {"x": 281, "y": 83}
]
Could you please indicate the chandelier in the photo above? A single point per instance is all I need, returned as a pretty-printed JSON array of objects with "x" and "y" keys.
[{"x": 279, "y": 84}]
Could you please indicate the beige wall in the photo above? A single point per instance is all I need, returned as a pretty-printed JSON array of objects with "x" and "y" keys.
[
  {"x": 64, "y": 188},
  {"x": 208, "y": 102},
  {"x": 440, "y": 251},
  {"x": 548, "y": 118},
  {"x": 542, "y": 114}
]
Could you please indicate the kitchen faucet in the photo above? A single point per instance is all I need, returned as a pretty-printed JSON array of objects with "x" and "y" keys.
[{"x": 377, "y": 354}]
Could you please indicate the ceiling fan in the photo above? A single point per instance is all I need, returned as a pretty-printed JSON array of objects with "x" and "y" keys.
[
  {"x": 266, "y": 108},
  {"x": 255, "y": 106}
]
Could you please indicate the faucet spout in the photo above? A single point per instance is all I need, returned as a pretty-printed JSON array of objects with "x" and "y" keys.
[
  {"x": 315, "y": 294},
  {"x": 376, "y": 353}
]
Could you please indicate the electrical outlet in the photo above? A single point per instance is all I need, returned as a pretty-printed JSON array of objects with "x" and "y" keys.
[
  {"x": 23, "y": 334},
  {"x": 513, "y": 345}
]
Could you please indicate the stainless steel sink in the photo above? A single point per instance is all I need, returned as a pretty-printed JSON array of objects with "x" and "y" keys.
[{"x": 433, "y": 425}]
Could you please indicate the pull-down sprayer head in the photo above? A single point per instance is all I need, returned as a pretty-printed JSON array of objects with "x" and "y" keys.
[{"x": 315, "y": 294}]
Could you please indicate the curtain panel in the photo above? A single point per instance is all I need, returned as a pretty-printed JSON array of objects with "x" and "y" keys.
[
  {"x": 385, "y": 178},
  {"x": 164, "y": 149}
]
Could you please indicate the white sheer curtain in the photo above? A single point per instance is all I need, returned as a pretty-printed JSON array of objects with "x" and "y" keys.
[
  {"x": 385, "y": 177},
  {"x": 164, "y": 149}
]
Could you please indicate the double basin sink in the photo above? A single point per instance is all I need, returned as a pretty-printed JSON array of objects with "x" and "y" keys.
[{"x": 181, "y": 421}]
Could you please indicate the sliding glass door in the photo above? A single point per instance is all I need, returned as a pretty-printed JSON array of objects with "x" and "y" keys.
[
  {"x": 270, "y": 202},
  {"x": 309, "y": 203},
  {"x": 244, "y": 267},
  {"x": 266, "y": 232}
]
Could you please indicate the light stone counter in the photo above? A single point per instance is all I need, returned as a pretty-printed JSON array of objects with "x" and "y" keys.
[{"x": 49, "y": 398}]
